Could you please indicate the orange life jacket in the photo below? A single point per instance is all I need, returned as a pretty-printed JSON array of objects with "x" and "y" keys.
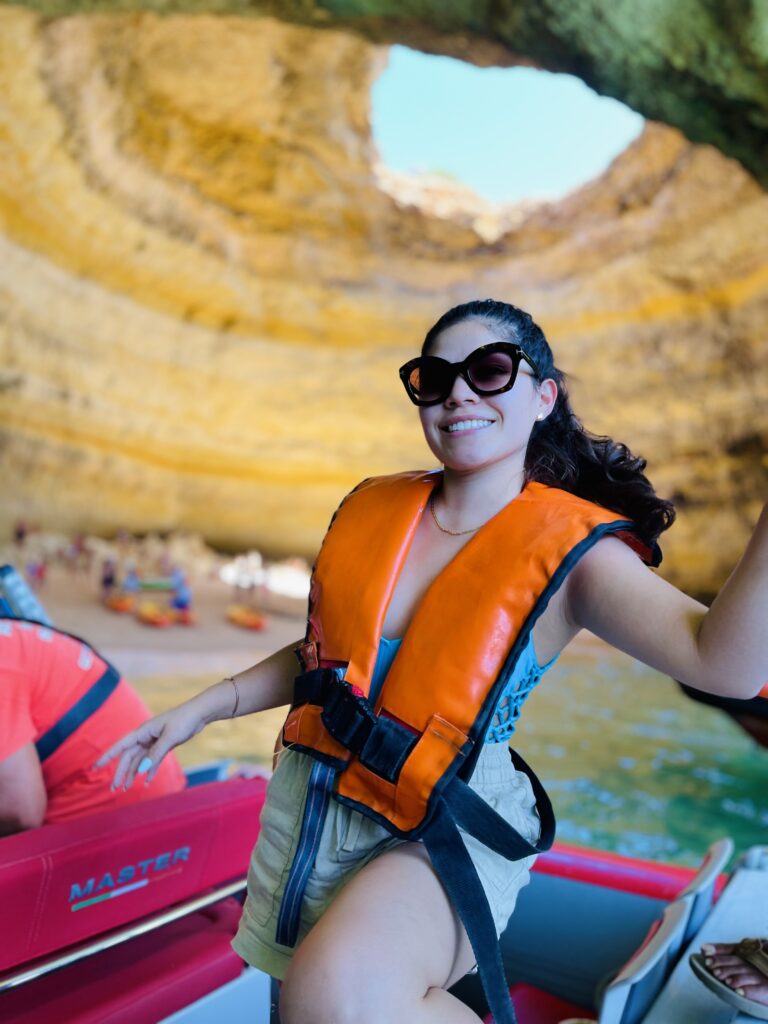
[{"x": 405, "y": 759}]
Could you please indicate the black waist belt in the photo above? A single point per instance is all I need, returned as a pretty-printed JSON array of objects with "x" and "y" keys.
[{"x": 81, "y": 710}]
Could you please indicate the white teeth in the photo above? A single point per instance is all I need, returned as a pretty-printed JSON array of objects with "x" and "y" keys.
[{"x": 468, "y": 425}]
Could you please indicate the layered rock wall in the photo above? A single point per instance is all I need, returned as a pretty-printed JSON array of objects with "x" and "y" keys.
[{"x": 205, "y": 292}]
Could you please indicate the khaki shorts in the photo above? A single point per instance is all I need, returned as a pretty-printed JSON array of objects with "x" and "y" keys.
[{"x": 350, "y": 840}]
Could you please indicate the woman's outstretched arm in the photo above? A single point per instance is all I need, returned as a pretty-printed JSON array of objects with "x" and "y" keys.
[
  {"x": 266, "y": 685},
  {"x": 721, "y": 650}
]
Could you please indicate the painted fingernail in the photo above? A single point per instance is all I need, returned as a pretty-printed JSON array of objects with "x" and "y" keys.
[
  {"x": 144, "y": 765},
  {"x": 739, "y": 991},
  {"x": 708, "y": 949},
  {"x": 708, "y": 961}
]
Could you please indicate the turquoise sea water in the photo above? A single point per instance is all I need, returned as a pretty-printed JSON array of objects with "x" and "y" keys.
[{"x": 634, "y": 766}]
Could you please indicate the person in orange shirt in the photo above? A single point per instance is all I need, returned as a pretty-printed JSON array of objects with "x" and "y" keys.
[{"x": 60, "y": 704}]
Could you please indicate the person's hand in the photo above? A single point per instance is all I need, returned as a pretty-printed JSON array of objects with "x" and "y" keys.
[{"x": 143, "y": 749}]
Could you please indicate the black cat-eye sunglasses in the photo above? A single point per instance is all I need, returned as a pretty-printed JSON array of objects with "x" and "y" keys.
[{"x": 489, "y": 370}]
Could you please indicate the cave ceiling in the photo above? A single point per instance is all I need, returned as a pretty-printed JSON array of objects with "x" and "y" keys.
[
  {"x": 699, "y": 65},
  {"x": 205, "y": 289}
]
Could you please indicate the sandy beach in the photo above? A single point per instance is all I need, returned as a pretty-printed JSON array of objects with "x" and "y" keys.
[
  {"x": 213, "y": 644},
  {"x": 169, "y": 665}
]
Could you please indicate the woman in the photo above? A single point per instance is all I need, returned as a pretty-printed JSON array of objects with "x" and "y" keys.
[{"x": 379, "y": 937}]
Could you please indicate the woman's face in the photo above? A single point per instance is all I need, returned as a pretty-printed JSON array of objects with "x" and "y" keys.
[{"x": 495, "y": 428}]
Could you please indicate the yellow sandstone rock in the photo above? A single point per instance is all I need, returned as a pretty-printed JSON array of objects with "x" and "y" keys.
[{"x": 207, "y": 284}]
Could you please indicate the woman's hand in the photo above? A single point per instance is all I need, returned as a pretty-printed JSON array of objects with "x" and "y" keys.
[
  {"x": 266, "y": 685},
  {"x": 145, "y": 747}
]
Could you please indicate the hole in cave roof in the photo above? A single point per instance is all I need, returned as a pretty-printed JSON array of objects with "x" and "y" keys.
[{"x": 490, "y": 142}]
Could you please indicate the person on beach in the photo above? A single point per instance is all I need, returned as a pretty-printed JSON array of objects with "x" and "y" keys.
[
  {"x": 181, "y": 596},
  {"x": 52, "y": 727},
  {"x": 438, "y": 601},
  {"x": 131, "y": 581},
  {"x": 20, "y": 531},
  {"x": 108, "y": 579}
]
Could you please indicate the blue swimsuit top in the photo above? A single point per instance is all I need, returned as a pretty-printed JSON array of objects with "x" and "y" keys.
[{"x": 522, "y": 681}]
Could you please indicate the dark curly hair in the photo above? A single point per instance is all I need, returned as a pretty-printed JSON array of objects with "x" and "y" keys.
[{"x": 561, "y": 453}]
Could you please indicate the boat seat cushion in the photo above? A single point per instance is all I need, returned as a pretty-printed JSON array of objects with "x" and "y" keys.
[
  {"x": 65, "y": 883},
  {"x": 141, "y": 981}
]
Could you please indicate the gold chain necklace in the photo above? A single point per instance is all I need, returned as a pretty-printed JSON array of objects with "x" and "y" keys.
[{"x": 443, "y": 529}]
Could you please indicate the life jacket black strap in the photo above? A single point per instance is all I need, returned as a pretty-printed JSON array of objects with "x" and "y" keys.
[
  {"x": 312, "y": 687},
  {"x": 461, "y": 807},
  {"x": 475, "y": 816},
  {"x": 381, "y": 743},
  {"x": 387, "y": 747},
  {"x": 82, "y": 709},
  {"x": 455, "y": 869},
  {"x": 348, "y": 717}
]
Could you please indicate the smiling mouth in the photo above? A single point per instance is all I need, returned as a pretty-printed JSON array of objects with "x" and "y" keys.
[{"x": 462, "y": 425}]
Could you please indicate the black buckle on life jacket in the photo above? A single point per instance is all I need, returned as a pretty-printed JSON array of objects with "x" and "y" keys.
[
  {"x": 313, "y": 687},
  {"x": 387, "y": 747},
  {"x": 347, "y": 717}
]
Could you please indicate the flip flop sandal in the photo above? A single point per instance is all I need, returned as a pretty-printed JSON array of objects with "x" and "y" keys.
[{"x": 753, "y": 952}]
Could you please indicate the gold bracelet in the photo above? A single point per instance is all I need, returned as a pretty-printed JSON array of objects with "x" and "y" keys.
[{"x": 231, "y": 679}]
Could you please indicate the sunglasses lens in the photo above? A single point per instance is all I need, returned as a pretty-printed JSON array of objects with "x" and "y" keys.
[
  {"x": 492, "y": 371},
  {"x": 428, "y": 380}
]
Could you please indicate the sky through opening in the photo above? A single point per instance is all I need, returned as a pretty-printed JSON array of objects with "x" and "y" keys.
[{"x": 507, "y": 133}]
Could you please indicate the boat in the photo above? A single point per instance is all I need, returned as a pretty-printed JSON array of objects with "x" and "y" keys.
[
  {"x": 122, "y": 604},
  {"x": 184, "y": 617},
  {"x": 149, "y": 613},
  {"x": 126, "y": 917},
  {"x": 246, "y": 617}
]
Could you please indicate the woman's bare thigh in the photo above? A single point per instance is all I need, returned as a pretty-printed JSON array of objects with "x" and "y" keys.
[{"x": 391, "y": 925}]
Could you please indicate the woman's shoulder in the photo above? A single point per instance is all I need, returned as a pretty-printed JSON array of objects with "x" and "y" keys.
[{"x": 608, "y": 562}]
